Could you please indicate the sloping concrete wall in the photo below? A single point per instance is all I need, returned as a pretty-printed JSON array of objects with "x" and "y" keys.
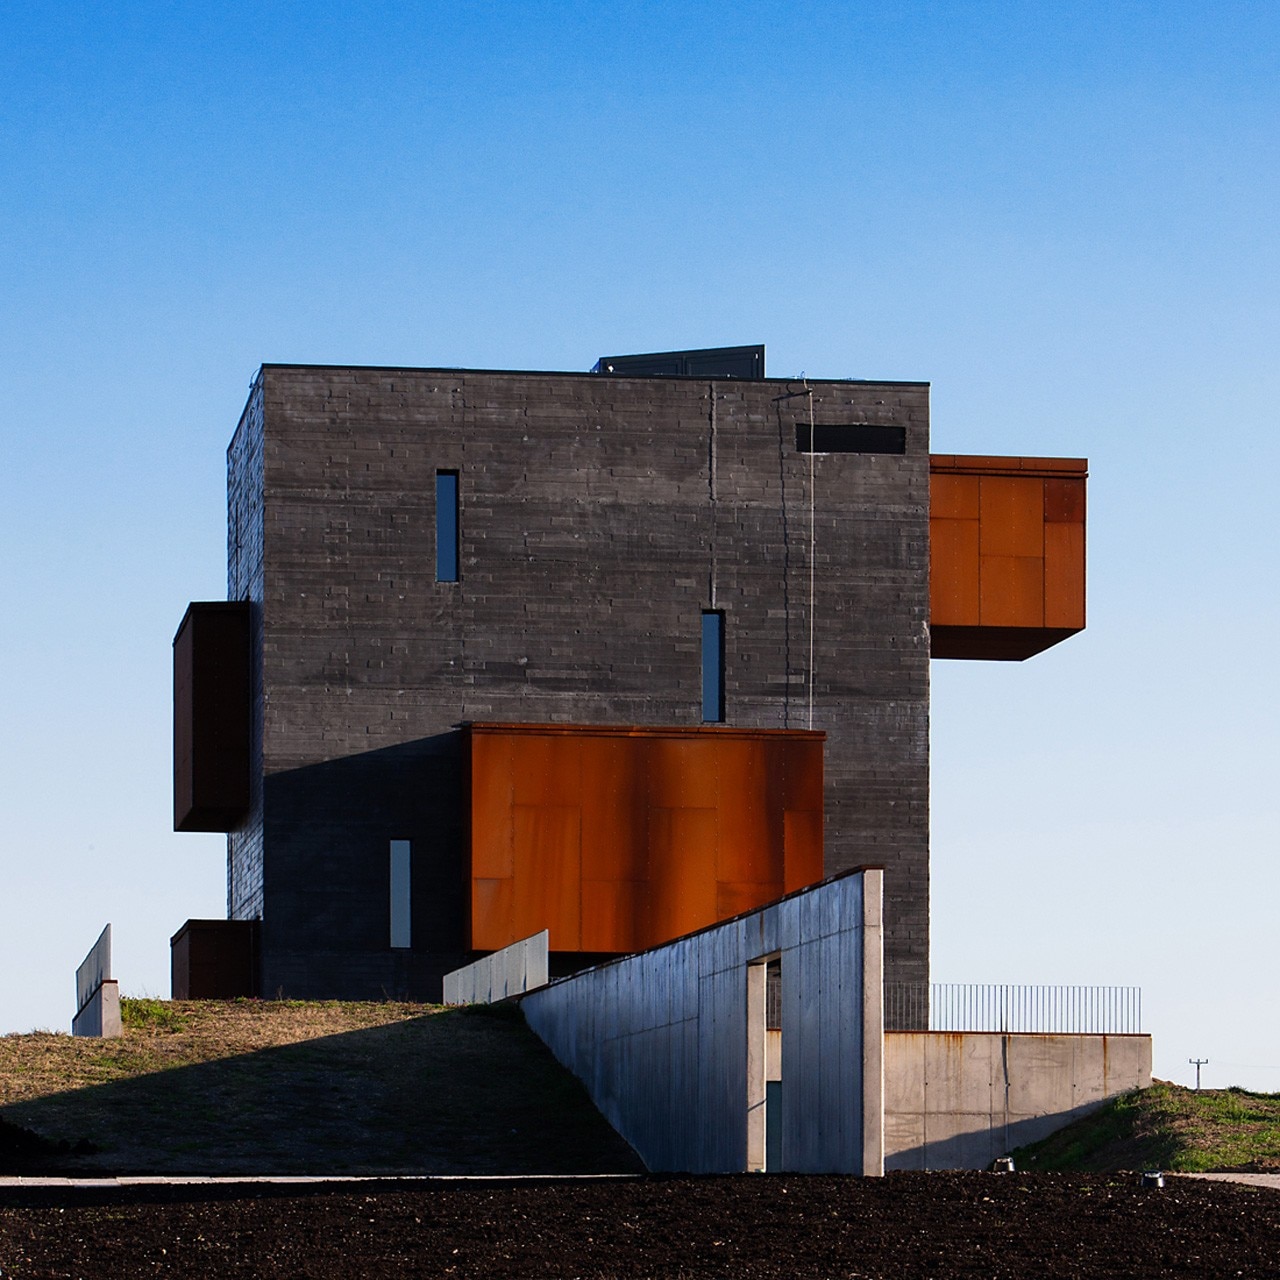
[
  {"x": 97, "y": 994},
  {"x": 670, "y": 1043},
  {"x": 959, "y": 1099},
  {"x": 515, "y": 969}
]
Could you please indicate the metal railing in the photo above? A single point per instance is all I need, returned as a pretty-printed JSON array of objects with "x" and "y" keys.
[{"x": 955, "y": 1006}]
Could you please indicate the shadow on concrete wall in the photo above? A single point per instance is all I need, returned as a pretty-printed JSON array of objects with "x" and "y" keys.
[
  {"x": 327, "y": 830},
  {"x": 982, "y": 1142}
]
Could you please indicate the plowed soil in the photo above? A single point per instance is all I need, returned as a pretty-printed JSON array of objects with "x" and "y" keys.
[{"x": 902, "y": 1226}]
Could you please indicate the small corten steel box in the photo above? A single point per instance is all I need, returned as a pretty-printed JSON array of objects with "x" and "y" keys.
[
  {"x": 211, "y": 717},
  {"x": 214, "y": 960}
]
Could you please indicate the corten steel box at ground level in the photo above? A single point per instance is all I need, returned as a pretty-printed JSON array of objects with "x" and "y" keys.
[
  {"x": 211, "y": 706},
  {"x": 214, "y": 960},
  {"x": 1006, "y": 554},
  {"x": 621, "y": 838}
]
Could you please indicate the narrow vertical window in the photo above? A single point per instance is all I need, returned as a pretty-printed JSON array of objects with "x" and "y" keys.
[
  {"x": 446, "y": 526},
  {"x": 401, "y": 887},
  {"x": 712, "y": 666}
]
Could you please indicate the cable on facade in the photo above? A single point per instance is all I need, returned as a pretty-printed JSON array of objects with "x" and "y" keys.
[
  {"x": 711, "y": 484},
  {"x": 813, "y": 541}
]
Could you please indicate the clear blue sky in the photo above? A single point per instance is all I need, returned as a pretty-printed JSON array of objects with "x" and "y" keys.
[{"x": 1063, "y": 215}]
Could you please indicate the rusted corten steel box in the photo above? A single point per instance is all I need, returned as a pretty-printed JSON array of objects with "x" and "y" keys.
[
  {"x": 211, "y": 706},
  {"x": 1006, "y": 554},
  {"x": 617, "y": 839},
  {"x": 214, "y": 960}
]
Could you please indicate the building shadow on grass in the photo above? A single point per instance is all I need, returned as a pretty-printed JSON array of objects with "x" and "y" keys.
[{"x": 466, "y": 1091}]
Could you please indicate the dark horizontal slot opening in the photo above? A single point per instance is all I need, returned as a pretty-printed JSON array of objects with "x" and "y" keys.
[{"x": 860, "y": 438}]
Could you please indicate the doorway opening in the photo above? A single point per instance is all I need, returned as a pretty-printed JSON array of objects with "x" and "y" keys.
[{"x": 764, "y": 1064}]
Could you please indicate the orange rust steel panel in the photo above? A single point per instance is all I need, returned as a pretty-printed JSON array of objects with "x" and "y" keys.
[
  {"x": 974, "y": 464},
  {"x": 1012, "y": 591},
  {"x": 953, "y": 572},
  {"x": 491, "y": 914},
  {"x": 615, "y": 810},
  {"x": 617, "y": 870},
  {"x": 615, "y": 915},
  {"x": 1064, "y": 575},
  {"x": 803, "y": 848},
  {"x": 733, "y": 899},
  {"x": 1064, "y": 501},
  {"x": 981, "y": 463},
  {"x": 1012, "y": 521},
  {"x": 682, "y": 772},
  {"x": 492, "y": 795},
  {"x": 1013, "y": 585},
  {"x": 548, "y": 874},
  {"x": 954, "y": 497},
  {"x": 750, "y": 830},
  {"x": 799, "y": 765},
  {"x": 547, "y": 769},
  {"x": 682, "y": 862},
  {"x": 1056, "y": 466}
]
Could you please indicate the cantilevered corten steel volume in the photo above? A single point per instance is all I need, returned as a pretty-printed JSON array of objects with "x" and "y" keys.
[
  {"x": 413, "y": 551},
  {"x": 618, "y": 839},
  {"x": 1006, "y": 540}
]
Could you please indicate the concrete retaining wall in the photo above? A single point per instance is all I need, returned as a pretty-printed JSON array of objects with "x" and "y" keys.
[
  {"x": 957, "y": 1100},
  {"x": 521, "y": 967},
  {"x": 670, "y": 1043}
]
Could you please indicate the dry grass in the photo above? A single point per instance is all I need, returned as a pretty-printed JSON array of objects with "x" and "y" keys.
[{"x": 308, "y": 1087}]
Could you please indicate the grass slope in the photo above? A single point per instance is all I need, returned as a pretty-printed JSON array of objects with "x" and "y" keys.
[
  {"x": 247, "y": 1086},
  {"x": 1167, "y": 1127}
]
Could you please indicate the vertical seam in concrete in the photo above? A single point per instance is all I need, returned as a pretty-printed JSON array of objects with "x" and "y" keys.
[{"x": 873, "y": 1023}]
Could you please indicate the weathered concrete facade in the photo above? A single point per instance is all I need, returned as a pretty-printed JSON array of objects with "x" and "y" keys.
[
  {"x": 960, "y": 1099},
  {"x": 599, "y": 517}
]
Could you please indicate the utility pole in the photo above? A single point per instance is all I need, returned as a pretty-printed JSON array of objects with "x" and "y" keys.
[{"x": 1198, "y": 1063}]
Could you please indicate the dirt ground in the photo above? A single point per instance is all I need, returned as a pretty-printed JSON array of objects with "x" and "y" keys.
[{"x": 902, "y": 1226}]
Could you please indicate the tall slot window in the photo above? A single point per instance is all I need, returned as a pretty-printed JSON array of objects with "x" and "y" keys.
[
  {"x": 401, "y": 893},
  {"x": 712, "y": 666},
  {"x": 446, "y": 526}
]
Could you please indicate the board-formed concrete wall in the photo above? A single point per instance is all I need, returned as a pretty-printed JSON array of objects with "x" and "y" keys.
[
  {"x": 960, "y": 1099},
  {"x": 520, "y": 967},
  {"x": 670, "y": 1043},
  {"x": 599, "y": 516}
]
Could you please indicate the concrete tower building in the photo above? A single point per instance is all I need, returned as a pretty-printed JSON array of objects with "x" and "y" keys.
[{"x": 617, "y": 654}]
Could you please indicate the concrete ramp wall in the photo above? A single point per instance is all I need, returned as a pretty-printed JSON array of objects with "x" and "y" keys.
[
  {"x": 670, "y": 1043},
  {"x": 958, "y": 1100},
  {"x": 515, "y": 969}
]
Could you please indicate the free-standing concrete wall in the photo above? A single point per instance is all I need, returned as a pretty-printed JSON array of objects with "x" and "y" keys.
[
  {"x": 97, "y": 993},
  {"x": 670, "y": 1043},
  {"x": 960, "y": 1099},
  {"x": 520, "y": 967}
]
